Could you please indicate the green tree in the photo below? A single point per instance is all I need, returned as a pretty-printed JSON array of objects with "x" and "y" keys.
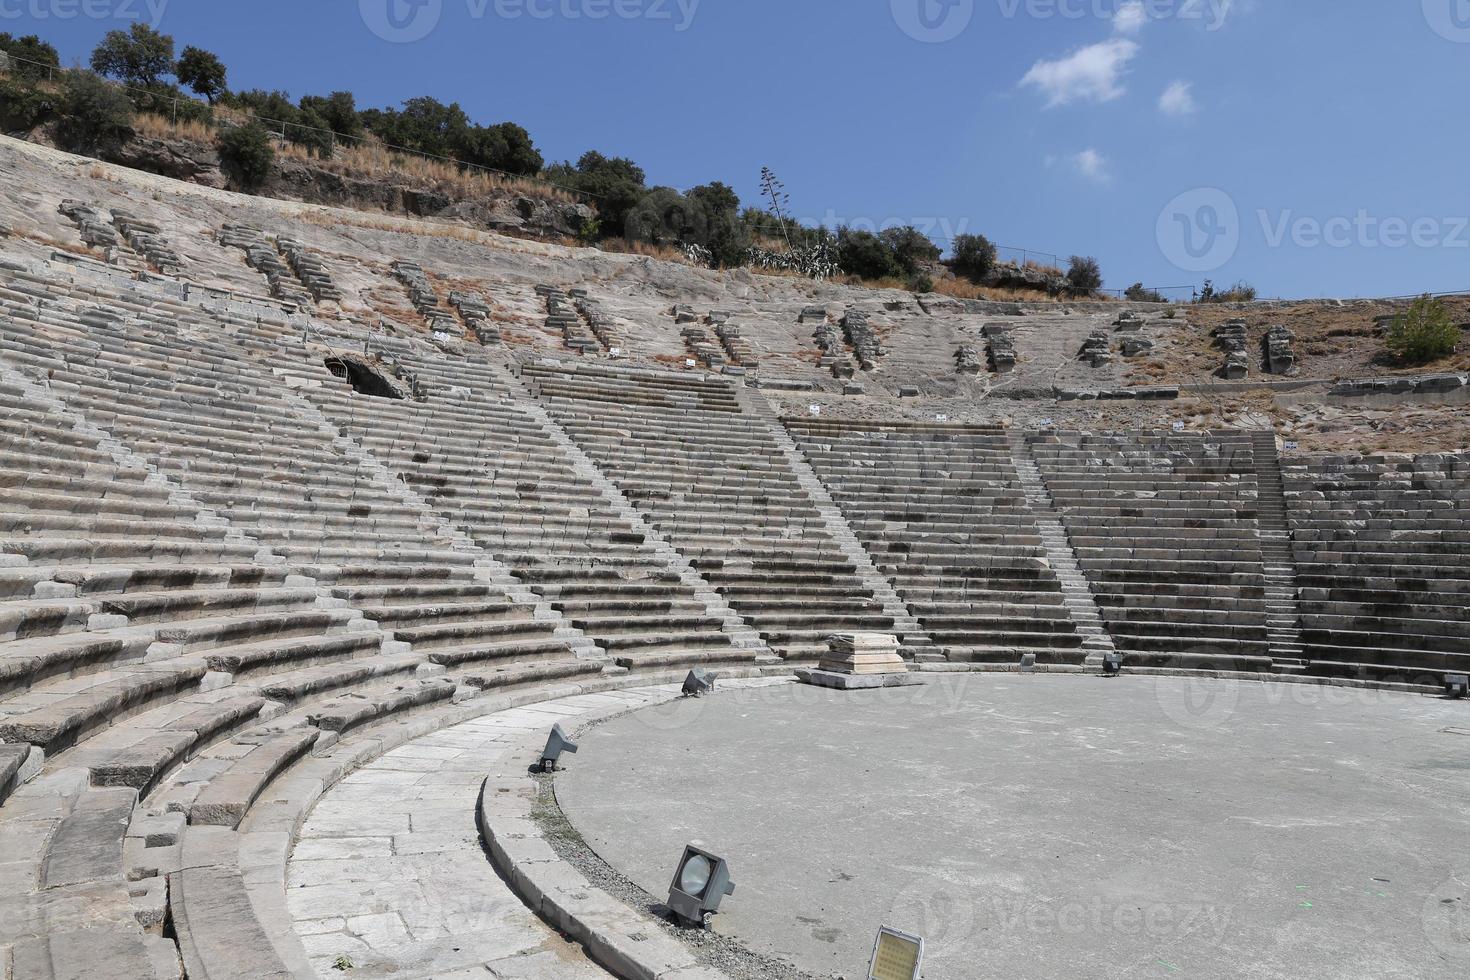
[
  {"x": 1084, "y": 276},
  {"x": 34, "y": 58},
  {"x": 615, "y": 184},
  {"x": 339, "y": 110},
  {"x": 94, "y": 117},
  {"x": 727, "y": 238},
  {"x": 203, "y": 72},
  {"x": 974, "y": 257},
  {"x": 912, "y": 250},
  {"x": 865, "y": 255},
  {"x": 246, "y": 155},
  {"x": 23, "y": 106},
  {"x": 1424, "y": 333},
  {"x": 665, "y": 217},
  {"x": 139, "y": 57}
]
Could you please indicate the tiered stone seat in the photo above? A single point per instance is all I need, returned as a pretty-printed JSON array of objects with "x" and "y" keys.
[
  {"x": 940, "y": 510},
  {"x": 718, "y": 489},
  {"x": 265, "y": 259},
  {"x": 1165, "y": 528},
  {"x": 182, "y": 577},
  {"x": 489, "y": 469},
  {"x": 279, "y": 491},
  {"x": 1383, "y": 563}
]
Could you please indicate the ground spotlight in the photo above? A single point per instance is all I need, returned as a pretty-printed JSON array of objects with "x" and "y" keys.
[
  {"x": 700, "y": 884},
  {"x": 699, "y": 682},
  {"x": 556, "y": 744},
  {"x": 1457, "y": 686},
  {"x": 896, "y": 956},
  {"x": 1112, "y": 664}
]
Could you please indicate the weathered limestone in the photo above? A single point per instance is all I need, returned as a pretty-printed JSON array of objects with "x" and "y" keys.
[
  {"x": 1280, "y": 359},
  {"x": 1000, "y": 347}
]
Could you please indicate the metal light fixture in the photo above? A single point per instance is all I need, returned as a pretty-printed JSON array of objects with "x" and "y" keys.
[
  {"x": 1457, "y": 686},
  {"x": 1112, "y": 664},
  {"x": 699, "y": 682},
  {"x": 556, "y": 744},
  {"x": 701, "y": 882},
  {"x": 896, "y": 956}
]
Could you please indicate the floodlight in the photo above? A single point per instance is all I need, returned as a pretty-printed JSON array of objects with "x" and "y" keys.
[
  {"x": 896, "y": 956},
  {"x": 699, "y": 682},
  {"x": 556, "y": 744},
  {"x": 1457, "y": 686},
  {"x": 701, "y": 882},
  {"x": 1112, "y": 664},
  {"x": 1028, "y": 662}
]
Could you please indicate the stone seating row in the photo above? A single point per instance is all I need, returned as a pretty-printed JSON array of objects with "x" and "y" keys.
[
  {"x": 1165, "y": 529},
  {"x": 942, "y": 514},
  {"x": 706, "y": 475},
  {"x": 1383, "y": 563},
  {"x": 487, "y": 467}
]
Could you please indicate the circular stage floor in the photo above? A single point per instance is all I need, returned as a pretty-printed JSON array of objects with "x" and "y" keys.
[{"x": 1055, "y": 826}]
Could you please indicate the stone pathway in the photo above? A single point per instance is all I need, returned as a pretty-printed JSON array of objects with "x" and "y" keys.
[{"x": 389, "y": 872}]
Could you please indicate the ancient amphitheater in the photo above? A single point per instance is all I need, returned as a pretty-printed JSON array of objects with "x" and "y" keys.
[{"x": 315, "y": 522}]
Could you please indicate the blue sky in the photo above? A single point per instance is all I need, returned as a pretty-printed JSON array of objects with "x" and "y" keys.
[{"x": 1311, "y": 147}]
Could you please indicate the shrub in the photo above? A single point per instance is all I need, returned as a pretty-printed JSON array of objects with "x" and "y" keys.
[
  {"x": 1138, "y": 294},
  {"x": 1084, "y": 277},
  {"x": 727, "y": 238},
  {"x": 865, "y": 255},
  {"x": 34, "y": 58},
  {"x": 974, "y": 257},
  {"x": 614, "y": 183},
  {"x": 912, "y": 250},
  {"x": 94, "y": 116},
  {"x": 246, "y": 154},
  {"x": 201, "y": 71},
  {"x": 921, "y": 282},
  {"x": 1241, "y": 292},
  {"x": 139, "y": 57},
  {"x": 23, "y": 106},
  {"x": 1425, "y": 333},
  {"x": 666, "y": 217}
]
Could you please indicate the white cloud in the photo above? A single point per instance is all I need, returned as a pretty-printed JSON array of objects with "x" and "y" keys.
[
  {"x": 1092, "y": 165},
  {"x": 1090, "y": 74},
  {"x": 1178, "y": 100},
  {"x": 1130, "y": 17}
]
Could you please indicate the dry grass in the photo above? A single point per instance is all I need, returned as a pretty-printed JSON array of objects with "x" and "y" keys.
[
  {"x": 370, "y": 159},
  {"x": 661, "y": 252}
]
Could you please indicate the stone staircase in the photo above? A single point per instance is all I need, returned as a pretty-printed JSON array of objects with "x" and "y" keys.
[
  {"x": 1076, "y": 593},
  {"x": 1283, "y": 615},
  {"x": 742, "y": 635},
  {"x": 917, "y": 644}
]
